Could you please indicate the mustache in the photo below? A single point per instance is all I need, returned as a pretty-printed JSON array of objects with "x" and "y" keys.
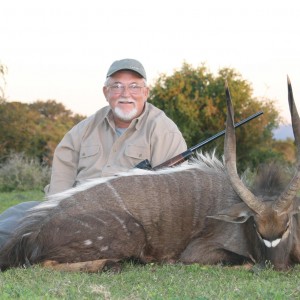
[{"x": 126, "y": 100}]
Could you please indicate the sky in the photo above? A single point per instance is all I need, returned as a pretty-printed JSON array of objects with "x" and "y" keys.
[{"x": 61, "y": 50}]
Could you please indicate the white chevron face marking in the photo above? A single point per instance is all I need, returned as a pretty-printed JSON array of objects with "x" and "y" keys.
[
  {"x": 267, "y": 243},
  {"x": 272, "y": 244}
]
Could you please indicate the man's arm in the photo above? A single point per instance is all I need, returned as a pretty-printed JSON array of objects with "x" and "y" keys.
[
  {"x": 64, "y": 166},
  {"x": 167, "y": 145}
]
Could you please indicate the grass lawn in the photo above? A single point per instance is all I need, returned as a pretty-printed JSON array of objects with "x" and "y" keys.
[
  {"x": 152, "y": 281},
  {"x": 12, "y": 198}
]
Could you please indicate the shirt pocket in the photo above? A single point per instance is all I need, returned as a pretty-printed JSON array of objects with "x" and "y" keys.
[
  {"x": 137, "y": 152},
  {"x": 88, "y": 151},
  {"x": 88, "y": 158}
]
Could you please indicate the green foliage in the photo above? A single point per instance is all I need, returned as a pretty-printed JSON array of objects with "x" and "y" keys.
[
  {"x": 195, "y": 99},
  {"x": 34, "y": 129},
  {"x": 19, "y": 173},
  {"x": 288, "y": 149}
]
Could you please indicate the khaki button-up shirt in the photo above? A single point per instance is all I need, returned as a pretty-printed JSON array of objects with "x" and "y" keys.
[{"x": 93, "y": 149}]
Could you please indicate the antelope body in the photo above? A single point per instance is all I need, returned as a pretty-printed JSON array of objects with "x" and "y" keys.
[
  {"x": 197, "y": 213},
  {"x": 152, "y": 216}
]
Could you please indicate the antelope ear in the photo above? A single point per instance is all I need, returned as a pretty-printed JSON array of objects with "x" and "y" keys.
[
  {"x": 237, "y": 213},
  {"x": 296, "y": 206}
]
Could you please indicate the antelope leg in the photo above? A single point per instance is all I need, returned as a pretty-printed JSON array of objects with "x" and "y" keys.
[{"x": 92, "y": 266}]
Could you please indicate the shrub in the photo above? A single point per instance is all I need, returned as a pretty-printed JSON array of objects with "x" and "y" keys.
[{"x": 20, "y": 173}]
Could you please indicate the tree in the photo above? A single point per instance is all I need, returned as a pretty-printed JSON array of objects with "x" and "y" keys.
[
  {"x": 53, "y": 122},
  {"x": 195, "y": 99},
  {"x": 34, "y": 129},
  {"x": 287, "y": 148}
]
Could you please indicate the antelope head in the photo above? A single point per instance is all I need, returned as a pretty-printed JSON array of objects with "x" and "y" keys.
[{"x": 272, "y": 218}]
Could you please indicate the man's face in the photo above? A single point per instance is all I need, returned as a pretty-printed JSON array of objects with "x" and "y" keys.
[{"x": 126, "y": 94}]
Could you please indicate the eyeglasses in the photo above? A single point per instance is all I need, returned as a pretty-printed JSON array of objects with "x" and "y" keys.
[{"x": 118, "y": 88}]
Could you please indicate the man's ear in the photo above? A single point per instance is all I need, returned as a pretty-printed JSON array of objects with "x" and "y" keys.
[
  {"x": 146, "y": 93},
  {"x": 105, "y": 92}
]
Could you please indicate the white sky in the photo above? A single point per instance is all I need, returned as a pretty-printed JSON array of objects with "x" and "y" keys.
[{"x": 62, "y": 50}]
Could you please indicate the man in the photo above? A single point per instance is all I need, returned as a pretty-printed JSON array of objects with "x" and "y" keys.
[
  {"x": 113, "y": 140},
  {"x": 117, "y": 137}
]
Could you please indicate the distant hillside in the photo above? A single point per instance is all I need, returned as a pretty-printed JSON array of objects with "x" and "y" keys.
[{"x": 283, "y": 132}]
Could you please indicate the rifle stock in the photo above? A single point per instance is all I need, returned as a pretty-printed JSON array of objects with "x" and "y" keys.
[{"x": 180, "y": 158}]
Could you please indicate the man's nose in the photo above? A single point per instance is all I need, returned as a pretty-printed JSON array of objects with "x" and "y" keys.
[{"x": 125, "y": 91}]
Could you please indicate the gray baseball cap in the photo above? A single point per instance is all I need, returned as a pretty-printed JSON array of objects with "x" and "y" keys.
[{"x": 127, "y": 64}]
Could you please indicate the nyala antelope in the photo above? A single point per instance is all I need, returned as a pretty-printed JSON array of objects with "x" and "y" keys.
[{"x": 201, "y": 212}]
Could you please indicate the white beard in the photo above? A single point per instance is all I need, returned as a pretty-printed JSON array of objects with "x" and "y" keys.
[{"x": 128, "y": 115}]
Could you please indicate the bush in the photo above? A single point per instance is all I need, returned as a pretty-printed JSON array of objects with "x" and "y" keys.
[{"x": 20, "y": 173}]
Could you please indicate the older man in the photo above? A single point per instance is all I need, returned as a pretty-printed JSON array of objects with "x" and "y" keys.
[{"x": 118, "y": 136}]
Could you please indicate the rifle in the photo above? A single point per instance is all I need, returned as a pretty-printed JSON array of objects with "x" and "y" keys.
[{"x": 178, "y": 159}]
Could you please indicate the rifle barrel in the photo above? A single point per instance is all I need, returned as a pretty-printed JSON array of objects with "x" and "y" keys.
[
  {"x": 186, "y": 154},
  {"x": 236, "y": 125}
]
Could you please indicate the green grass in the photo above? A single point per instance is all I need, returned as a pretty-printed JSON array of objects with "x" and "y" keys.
[
  {"x": 12, "y": 198},
  {"x": 151, "y": 281}
]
